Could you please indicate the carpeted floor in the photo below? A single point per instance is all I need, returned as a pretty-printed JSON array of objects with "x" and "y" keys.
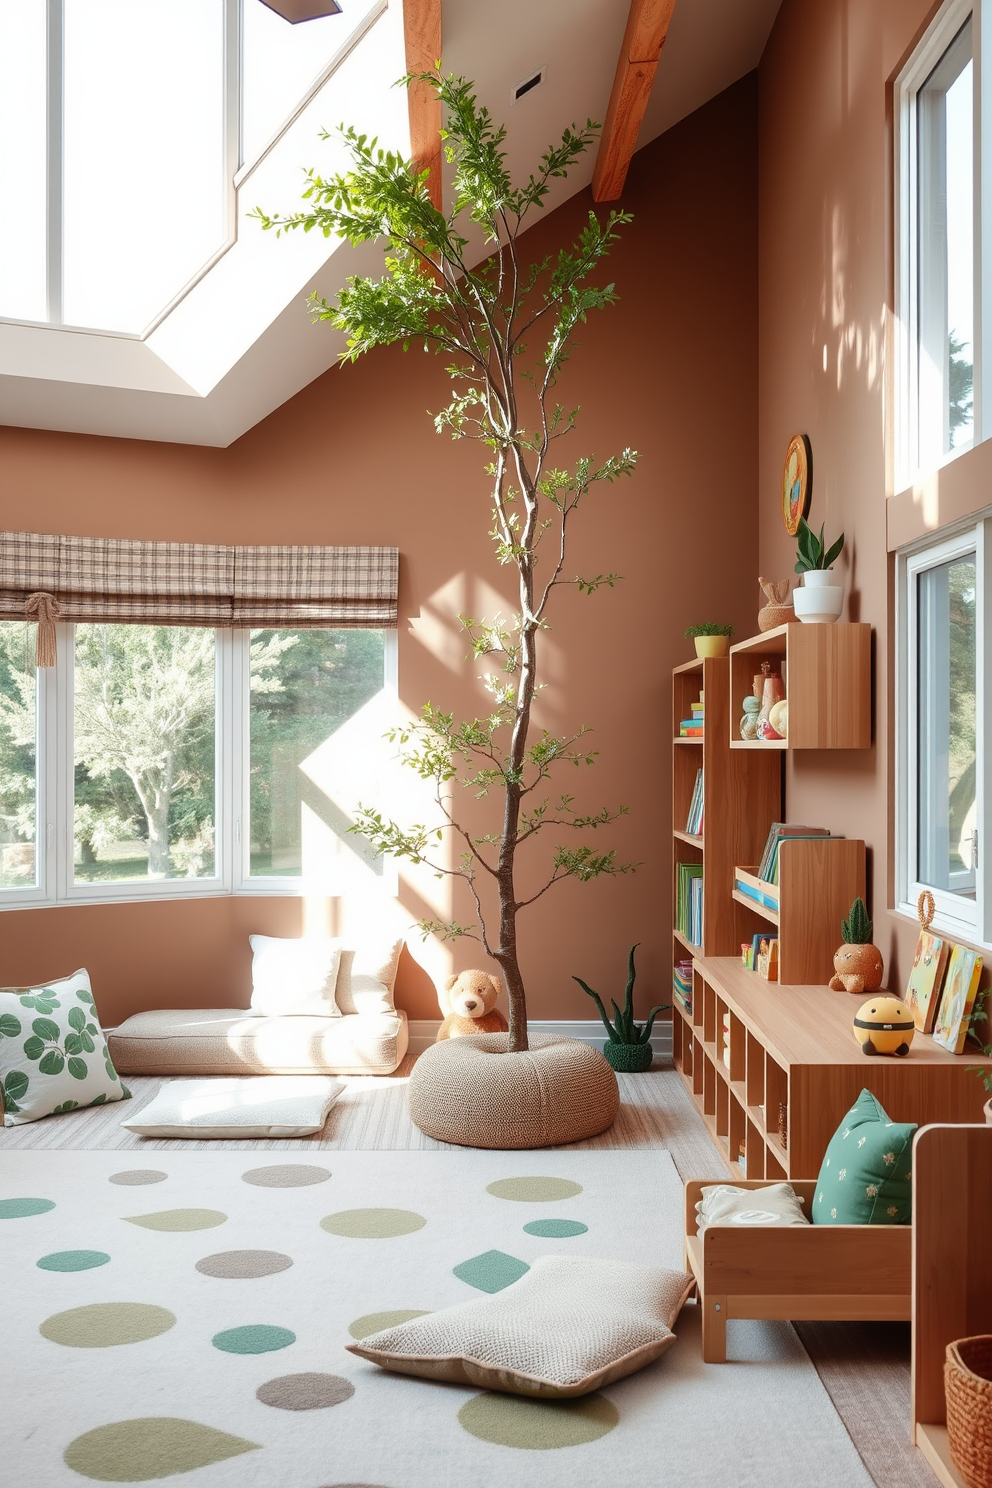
[
  {"x": 193, "y": 1316},
  {"x": 864, "y": 1367}
]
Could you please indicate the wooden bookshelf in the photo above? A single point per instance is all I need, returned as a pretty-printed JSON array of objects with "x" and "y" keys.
[
  {"x": 827, "y": 674},
  {"x": 818, "y": 881},
  {"x": 952, "y": 1281},
  {"x": 742, "y": 796},
  {"x": 793, "y": 1045}
]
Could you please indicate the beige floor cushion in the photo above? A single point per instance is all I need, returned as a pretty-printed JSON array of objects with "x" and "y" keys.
[
  {"x": 260, "y": 1106},
  {"x": 226, "y": 1041},
  {"x": 569, "y": 1326}
]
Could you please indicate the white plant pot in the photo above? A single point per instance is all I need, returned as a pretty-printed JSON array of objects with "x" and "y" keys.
[{"x": 819, "y": 601}]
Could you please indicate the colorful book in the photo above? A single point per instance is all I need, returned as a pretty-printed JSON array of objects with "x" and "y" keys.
[
  {"x": 772, "y": 874},
  {"x": 926, "y": 978},
  {"x": 769, "y": 901},
  {"x": 960, "y": 986},
  {"x": 689, "y": 902},
  {"x": 776, "y": 832}
]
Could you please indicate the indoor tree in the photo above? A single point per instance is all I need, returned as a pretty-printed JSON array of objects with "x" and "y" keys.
[{"x": 506, "y": 328}]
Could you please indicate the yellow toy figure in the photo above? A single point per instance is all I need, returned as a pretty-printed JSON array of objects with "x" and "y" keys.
[
  {"x": 884, "y": 1025},
  {"x": 469, "y": 1005}
]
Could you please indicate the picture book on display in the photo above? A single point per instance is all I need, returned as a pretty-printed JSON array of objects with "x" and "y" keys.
[
  {"x": 926, "y": 979},
  {"x": 960, "y": 986},
  {"x": 778, "y": 832}
]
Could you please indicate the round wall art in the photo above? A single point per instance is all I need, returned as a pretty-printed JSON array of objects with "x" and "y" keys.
[{"x": 797, "y": 482}]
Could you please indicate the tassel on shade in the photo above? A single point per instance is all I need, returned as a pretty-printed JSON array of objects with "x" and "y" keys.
[{"x": 46, "y": 610}]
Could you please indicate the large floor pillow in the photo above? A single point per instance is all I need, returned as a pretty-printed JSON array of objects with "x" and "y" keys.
[
  {"x": 53, "y": 1056},
  {"x": 570, "y": 1326},
  {"x": 261, "y": 1106}
]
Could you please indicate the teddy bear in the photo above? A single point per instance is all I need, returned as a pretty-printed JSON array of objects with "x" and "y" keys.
[{"x": 468, "y": 1002}]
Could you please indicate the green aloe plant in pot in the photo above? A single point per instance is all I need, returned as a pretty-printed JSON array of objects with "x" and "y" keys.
[
  {"x": 812, "y": 555},
  {"x": 628, "y": 1047}
]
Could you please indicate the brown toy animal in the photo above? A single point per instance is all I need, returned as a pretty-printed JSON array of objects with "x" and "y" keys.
[
  {"x": 858, "y": 963},
  {"x": 469, "y": 1005}
]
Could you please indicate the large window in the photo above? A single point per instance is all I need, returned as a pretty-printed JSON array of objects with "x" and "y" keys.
[
  {"x": 164, "y": 759},
  {"x": 939, "y": 258},
  {"x": 941, "y": 708}
]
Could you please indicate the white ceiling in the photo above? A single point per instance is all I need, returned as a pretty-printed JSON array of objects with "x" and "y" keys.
[{"x": 241, "y": 342}]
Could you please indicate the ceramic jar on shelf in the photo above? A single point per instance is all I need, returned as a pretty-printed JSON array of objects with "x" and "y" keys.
[{"x": 819, "y": 600}]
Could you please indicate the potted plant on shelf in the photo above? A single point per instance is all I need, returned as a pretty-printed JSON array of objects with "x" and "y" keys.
[
  {"x": 858, "y": 962},
  {"x": 818, "y": 601},
  {"x": 628, "y": 1047},
  {"x": 710, "y": 640},
  {"x": 980, "y": 1014},
  {"x": 457, "y": 283}
]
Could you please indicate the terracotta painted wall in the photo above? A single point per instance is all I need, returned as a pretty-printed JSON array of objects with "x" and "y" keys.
[
  {"x": 354, "y": 459},
  {"x": 824, "y": 225}
]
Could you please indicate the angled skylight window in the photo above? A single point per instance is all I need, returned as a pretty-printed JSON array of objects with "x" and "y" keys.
[{"x": 123, "y": 124}]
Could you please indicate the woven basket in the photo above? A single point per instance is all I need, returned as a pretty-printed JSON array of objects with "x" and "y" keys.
[
  {"x": 968, "y": 1389},
  {"x": 629, "y": 1059}
]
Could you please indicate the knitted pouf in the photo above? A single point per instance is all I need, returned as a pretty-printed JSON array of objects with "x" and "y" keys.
[{"x": 469, "y": 1091}]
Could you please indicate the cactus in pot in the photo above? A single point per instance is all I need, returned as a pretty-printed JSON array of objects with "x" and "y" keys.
[{"x": 857, "y": 963}]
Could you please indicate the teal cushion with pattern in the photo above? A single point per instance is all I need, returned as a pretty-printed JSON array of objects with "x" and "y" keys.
[{"x": 867, "y": 1168}]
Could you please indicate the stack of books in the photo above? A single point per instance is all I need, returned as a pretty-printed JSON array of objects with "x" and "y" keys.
[
  {"x": 694, "y": 821},
  {"x": 768, "y": 867},
  {"x": 692, "y": 728},
  {"x": 761, "y": 955},
  {"x": 682, "y": 984},
  {"x": 689, "y": 902}
]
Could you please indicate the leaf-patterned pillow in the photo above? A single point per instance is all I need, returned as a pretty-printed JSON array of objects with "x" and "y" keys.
[{"x": 53, "y": 1055}]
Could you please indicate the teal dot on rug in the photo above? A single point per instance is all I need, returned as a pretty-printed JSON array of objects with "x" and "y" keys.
[
  {"x": 73, "y": 1260},
  {"x": 254, "y": 1338},
  {"x": 538, "y": 1425},
  {"x": 21, "y": 1208},
  {"x": 491, "y": 1271},
  {"x": 534, "y": 1190},
  {"x": 556, "y": 1229}
]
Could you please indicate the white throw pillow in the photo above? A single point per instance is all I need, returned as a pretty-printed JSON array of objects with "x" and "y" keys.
[
  {"x": 367, "y": 975},
  {"x": 259, "y": 1106},
  {"x": 294, "y": 977},
  {"x": 569, "y": 1326},
  {"x": 53, "y": 1056},
  {"x": 774, "y": 1204}
]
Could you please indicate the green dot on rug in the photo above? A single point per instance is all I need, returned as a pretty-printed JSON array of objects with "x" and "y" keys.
[
  {"x": 253, "y": 1338},
  {"x": 555, "y": 1229},
  {"x": 150, "y": 1447},
  {"x": 372, "y": 1224},
  {"x": 73, "y": 1260},
  {"x": 286, "y": 1175},
  {"x": 303, "y": 1392},
  {"x": 538, "y": 1425},
  {"x": 22, "y": 1208},
  {"x": 492, "y": 1271},
  {"x": 106, "y": 1324},
  {"x": 178, "y": 1220},
  {"x": 374, "y": 1322},
  {"x": 534, "y": 1190}
]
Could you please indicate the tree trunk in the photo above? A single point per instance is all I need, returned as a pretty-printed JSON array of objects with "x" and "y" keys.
[{"x": 157, "y": 817}]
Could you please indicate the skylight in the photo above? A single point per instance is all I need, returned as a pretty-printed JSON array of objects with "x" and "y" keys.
[{"x": 117, "y": 189}]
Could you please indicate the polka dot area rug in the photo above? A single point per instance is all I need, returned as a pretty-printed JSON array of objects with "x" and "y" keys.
[{"x": 189, "y": 1323}]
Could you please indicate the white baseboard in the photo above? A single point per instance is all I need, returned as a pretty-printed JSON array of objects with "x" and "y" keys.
[{"x": 423, "y": 1032}]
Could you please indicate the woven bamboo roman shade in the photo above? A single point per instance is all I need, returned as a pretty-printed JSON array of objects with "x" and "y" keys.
[{"x": 46, "y": 578}]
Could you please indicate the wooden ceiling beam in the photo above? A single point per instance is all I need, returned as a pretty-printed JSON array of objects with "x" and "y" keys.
[
  {"x": 647, "y": 27},
  {"x": 422, "y": 39}
]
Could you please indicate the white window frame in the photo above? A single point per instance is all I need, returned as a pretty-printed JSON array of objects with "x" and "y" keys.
[
  {"x": 55, "y": 795},
  {"x": 971, "y": 920},
  {"x": 934, "y": 43}
]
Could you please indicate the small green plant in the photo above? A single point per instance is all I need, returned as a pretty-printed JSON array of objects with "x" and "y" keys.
[
  {"x": 980, "y": 1014},
  {"x": 623, "y": 1029},
  {"x": 708, "y": 629},
  {"x": 810, "y": 552},
  {"x": 856, "y": 929}
]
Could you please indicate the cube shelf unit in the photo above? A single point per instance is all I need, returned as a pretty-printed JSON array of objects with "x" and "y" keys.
[
  {"x": 827, "y": 674},
  {"x": 818, "y": 881},
  {"x": 793, "y": 1046},
  {"x": 742, "y": 796}
]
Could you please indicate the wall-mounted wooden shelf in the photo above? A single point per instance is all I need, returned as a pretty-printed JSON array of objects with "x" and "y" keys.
[
  {"x": 793, "y": 1045},
  {"x": 827, "y": 675},
  {"x": 819, "y": 879}
]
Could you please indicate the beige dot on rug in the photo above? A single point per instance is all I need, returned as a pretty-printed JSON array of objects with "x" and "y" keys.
[
  {"x": 372, "y": 1224},
  {"x": 150, "y": 1447},
  {"x": 244, "y": 1265},
  {"x": 374, "y": 1322},
  {"x": 534, "y": 1190},
  {"x": 178, "y": 1220},
  {"x": 302, "y": 1392},
  {"x": 286, "y": 1175},
  {"x": 538, "y": 1425},
  {"x": 136, "y": 1177},
  {"x": 105, "y": 1324}
]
